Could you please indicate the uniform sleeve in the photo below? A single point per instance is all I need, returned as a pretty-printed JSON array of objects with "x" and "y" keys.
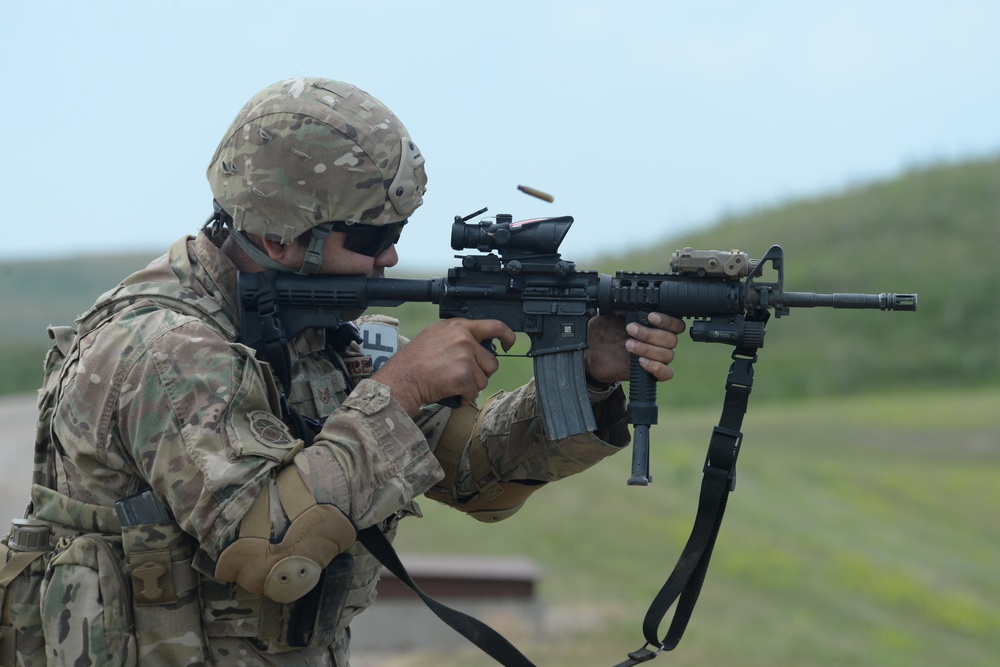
[
  {"x": 201, "y": 421},
  {"x": 188, "y": 412},
  {"x": 494, "y": 457},
  {"x": 370, "y": 456}
]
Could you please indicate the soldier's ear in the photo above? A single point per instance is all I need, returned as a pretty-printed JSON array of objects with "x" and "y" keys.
[
  {"x": 274, "y": 249},
  {"x": 288, "y": 254}
]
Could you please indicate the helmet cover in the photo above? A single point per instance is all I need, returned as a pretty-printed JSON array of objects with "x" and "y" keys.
[{"x": 306, "y": 151}]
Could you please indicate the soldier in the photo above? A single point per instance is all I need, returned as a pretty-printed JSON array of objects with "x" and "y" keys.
[{"x": 250, "y": 556}]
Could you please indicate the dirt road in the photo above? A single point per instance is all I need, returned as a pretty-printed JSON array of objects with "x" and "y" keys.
[{"x": 17, "y": 435}]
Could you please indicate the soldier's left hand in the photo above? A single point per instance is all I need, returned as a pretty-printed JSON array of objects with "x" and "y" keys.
[{"x": 611, "y": 345}]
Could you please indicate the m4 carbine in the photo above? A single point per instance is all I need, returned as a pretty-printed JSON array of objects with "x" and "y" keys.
[{"x": 521, "y": 279}]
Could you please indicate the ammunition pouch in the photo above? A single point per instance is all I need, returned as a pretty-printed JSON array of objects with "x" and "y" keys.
[
  {"x": 165, "y": 592},
  {"x": 97, "y": 590},
  {"x": 133, "y": 597},
  {"x": 73, "y": 590}
]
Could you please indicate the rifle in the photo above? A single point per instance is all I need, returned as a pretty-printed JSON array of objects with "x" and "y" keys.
[{"x": 522, "y": 280}]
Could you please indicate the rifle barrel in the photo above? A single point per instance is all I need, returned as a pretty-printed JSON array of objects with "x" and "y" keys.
[{"x": 884, "y": 301}]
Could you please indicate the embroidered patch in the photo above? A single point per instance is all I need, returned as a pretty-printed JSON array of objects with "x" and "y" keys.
[
  {"x": 324, "y": 396},
  {"x": 324, "y": 393},
  {"x": 358, "y": 367},
  {"x": 269, "y": 429}
]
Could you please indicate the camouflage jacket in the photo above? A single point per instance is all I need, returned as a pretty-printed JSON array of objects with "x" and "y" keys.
[{"x": 164, "y": 397}]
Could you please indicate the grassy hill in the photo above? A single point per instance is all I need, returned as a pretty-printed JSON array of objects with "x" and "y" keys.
[
  {"x": 933, "y": 230},
  {"x": 863, "y": 528},
  {"x": 862, "y": 532},
  {"x": 36, "y": 294}
]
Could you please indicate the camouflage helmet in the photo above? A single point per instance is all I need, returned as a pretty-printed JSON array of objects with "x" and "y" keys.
[{"x": 308, "y": 151}]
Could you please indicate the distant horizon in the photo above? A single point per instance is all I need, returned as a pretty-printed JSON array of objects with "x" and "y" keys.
[{"x": 406, "y": 266}]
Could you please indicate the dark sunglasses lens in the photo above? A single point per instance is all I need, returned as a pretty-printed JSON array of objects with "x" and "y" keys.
[{"x": 372, "y": 241}]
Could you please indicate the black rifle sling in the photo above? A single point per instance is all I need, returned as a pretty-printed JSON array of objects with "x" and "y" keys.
[
  {"x": 274, "y": 346},
  {"x": 685, "y": 582},
  {"x": 486, "y": 638},
  {"x": 688, "y": 575},
  {"x": 274, "y": 341}
]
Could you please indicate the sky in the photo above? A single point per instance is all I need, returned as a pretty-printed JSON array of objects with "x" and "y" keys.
[{"x": 644, "y": 120}]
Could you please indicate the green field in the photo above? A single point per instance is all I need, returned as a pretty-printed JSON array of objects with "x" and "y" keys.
[{"x": 863, "y": 531}]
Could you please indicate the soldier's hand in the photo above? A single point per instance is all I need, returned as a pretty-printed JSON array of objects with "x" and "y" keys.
[
  {"x": 446, "y": 359},
  {"x": 611, "y": 345}
]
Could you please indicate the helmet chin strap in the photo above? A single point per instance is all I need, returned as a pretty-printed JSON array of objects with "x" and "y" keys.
[
  {"x": 311, "y": 263},
  {"x": 314, "y": 253},
  {"x": 259, "y": 257}
]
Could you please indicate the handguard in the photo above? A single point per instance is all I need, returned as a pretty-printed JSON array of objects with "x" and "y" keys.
[{"x": 285, "y": 570}]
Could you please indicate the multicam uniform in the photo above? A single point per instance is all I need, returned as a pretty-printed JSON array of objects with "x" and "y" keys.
[{"x": 158, "y": 394}]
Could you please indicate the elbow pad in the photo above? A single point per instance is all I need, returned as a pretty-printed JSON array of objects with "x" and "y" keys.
[
  {"x": 494, "y": 500},
  {"x": 499, "y": 501},
  {"x": 286, "y": 569}
]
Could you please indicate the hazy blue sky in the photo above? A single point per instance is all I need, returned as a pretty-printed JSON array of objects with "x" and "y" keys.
[{"x": 642, "y": 118}]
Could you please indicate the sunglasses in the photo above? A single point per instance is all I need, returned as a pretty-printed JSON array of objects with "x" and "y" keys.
[{"x": 369, "y": 240}]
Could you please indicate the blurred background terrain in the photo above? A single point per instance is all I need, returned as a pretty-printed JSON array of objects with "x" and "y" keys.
[{"x": 864, "y": 525}]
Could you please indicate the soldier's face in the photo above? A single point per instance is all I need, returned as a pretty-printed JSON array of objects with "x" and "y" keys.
[{"x": 339, "y": 260}]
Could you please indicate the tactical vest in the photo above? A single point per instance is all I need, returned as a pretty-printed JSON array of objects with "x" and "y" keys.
[{"x": 135, "y": 584}]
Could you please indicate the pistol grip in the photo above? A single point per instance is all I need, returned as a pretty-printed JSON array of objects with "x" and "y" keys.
[{"x": 456, "y": 401}]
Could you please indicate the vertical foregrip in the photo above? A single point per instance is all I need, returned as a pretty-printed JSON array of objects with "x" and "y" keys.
[
  {"x": 562, "y": 394},
  {"x": 641, "y": 413},
  {"x": 640, "y": 456}
]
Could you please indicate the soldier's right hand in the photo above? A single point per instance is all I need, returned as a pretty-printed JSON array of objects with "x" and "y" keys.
[{"x": 446, "y": 359}]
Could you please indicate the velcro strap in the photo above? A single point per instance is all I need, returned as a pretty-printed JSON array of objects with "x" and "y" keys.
[
  {"x": 295, "y": 496},
  {"x": 448, "y": 451},
  {"x": 18, "y": 563},
  {"x": 257, "y": 521},
  {"x": 483, "y": 476},
  {"x": 464, "y": 431}
]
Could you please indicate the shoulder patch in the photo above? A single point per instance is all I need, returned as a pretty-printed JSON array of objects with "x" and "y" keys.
[{"x": 269, "y": 429}]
